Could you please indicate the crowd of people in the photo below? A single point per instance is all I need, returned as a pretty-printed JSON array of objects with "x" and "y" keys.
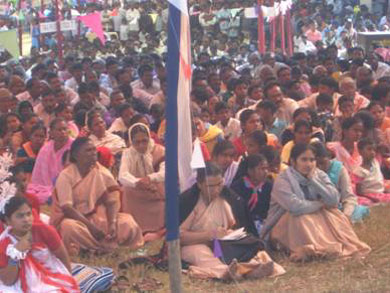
[
  {"x": 297, "y": 150},
  {"x": 220, "y": 28}
]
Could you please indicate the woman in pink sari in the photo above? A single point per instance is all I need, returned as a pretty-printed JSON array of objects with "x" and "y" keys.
[
  {"x": 49, "y": 162},
  {"x": 346, "y": 150}
]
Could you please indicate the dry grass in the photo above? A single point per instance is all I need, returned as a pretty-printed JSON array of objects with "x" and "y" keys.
[{"x": 368, "y": 275}]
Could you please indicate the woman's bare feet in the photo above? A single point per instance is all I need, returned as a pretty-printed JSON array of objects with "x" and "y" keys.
[
  {"x": 263, "y": 270},
  {"x": 233, "y": 271}
]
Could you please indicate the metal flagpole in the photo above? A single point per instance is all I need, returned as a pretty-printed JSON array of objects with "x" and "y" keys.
[{"x": 172, "y": 171}]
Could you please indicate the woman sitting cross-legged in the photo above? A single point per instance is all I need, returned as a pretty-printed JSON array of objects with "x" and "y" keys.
[
  {"x": 86, "y": 205},
  {"x": 303, "y": 217},
  {"x": 207, "y": 211},
  {"x": 32, "y": 255}
]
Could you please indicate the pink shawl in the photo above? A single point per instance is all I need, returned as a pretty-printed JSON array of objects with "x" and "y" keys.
[
  {"x": 48, "y": 166},
  {"x": 350, "y": 161}
]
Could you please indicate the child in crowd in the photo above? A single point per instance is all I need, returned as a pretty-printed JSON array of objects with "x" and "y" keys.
[
  {"x": 346, "y": 108},
  {"x": 229, "y": 125},
  {"x": 368, "y": 177},
  {"x": 255, "y": 189},
  {"x": 274, "y": 162},
  {"x": 324, "y": 104},
  {"x": 254, "y": 142}
]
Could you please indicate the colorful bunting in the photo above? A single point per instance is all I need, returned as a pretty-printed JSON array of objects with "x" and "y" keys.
[{"x": 94, "y": 22}]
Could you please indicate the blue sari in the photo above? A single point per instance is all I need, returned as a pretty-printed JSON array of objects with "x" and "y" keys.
[{"x": 360, "y": 212}]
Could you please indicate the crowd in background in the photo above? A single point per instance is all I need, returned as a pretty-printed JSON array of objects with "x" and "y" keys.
[
  {"x": 296, "y": 144},
  {"x": 220, "y": 28}
]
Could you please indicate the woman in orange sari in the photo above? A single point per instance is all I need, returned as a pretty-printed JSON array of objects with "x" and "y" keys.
[{"x": 86, "y": 205}]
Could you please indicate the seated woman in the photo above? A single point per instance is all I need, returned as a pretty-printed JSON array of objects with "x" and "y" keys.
[
  {"x": 142, "y": 173},
  {"x": 346, "y": 106},
  {"x": 339, "y": 176},
  {"x": 368, "y": 177},
  {"x": 22, "y": 136},
  {"x": 250, "y": 121},
  {"x": 223, "y": 156},
  {"x": 302, "y": 134},
  {"x": 303, "y": 218},
  {"x": 139, "y": 118},
  {"x": 207, "y": 211},
  {"x": 303, "y": 114},
  {"x": 86, "y": 205},
  {"x": 65, "y": 111},
  {"x": 208, "y": 134},
  {"x": 28, "y": 153},
  {"x": 274, "y": 162},
  {"x": 255, "y": 188},
  {"x": 346, "y": 150},
  {"x": 10, "y": 124},
  {"x": 49, "y": 163},
  {"x": 369, "y": 129},
  {"x": 32, "y": 255},
  {"x": 101, "y": 137},
  {"x": 378, "y": 112}
]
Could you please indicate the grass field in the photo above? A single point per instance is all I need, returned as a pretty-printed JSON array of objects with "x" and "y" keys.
[{"x": 371, "y": 274}]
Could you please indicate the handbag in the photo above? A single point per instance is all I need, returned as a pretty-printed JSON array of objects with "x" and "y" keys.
[{"x": 243, "y": 250}]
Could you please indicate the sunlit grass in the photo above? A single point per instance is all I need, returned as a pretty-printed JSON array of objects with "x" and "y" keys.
[{"x": 369, "y": 275}]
